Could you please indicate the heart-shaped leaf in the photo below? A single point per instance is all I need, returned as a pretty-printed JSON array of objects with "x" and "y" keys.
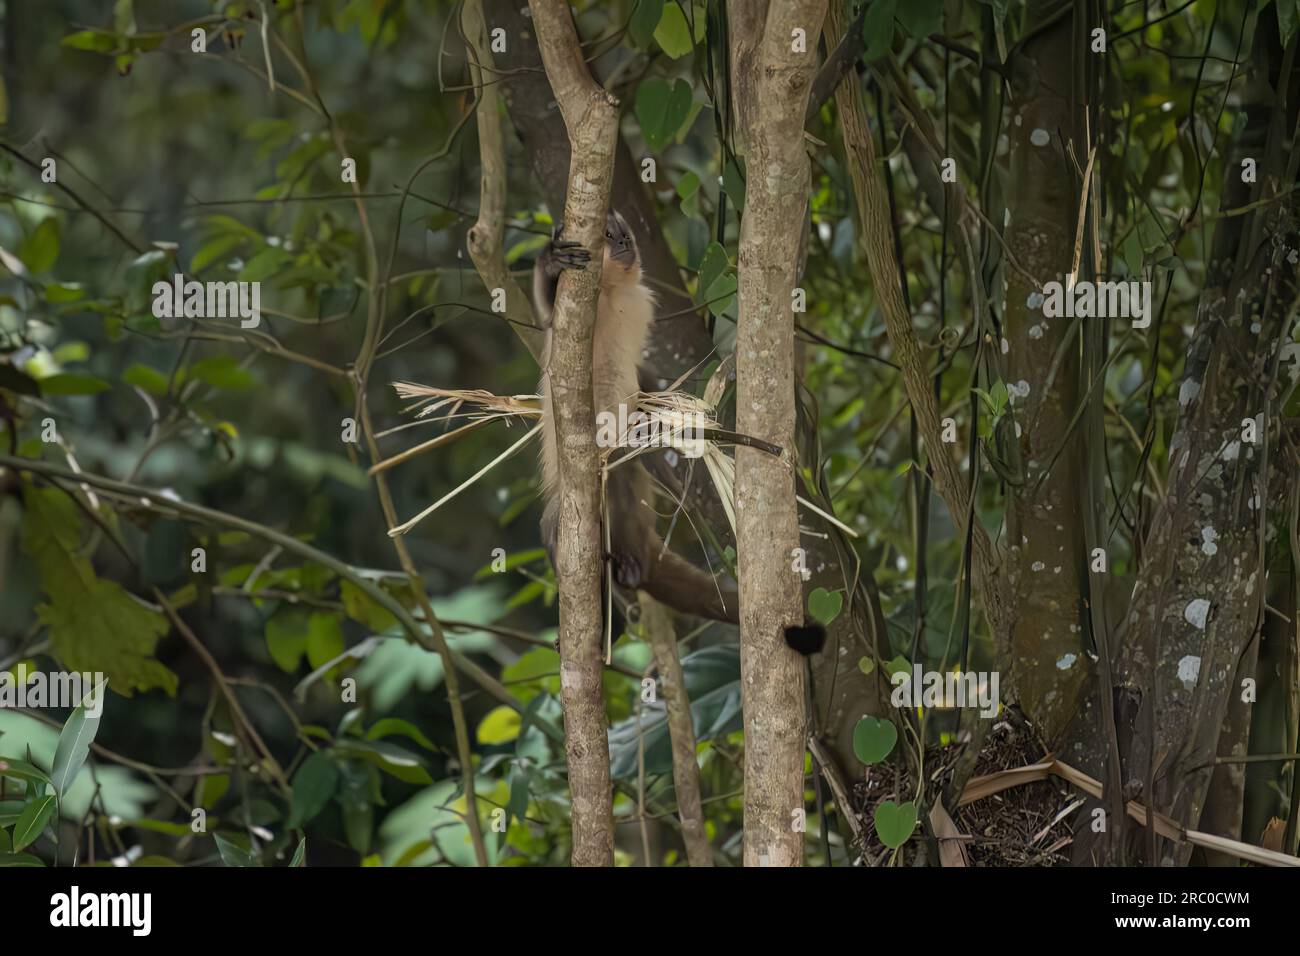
[
  {"x": 824, "y": 606},
  {"x": 662, "y": 109},
  {"x": 894, "y": 823},
  {"x": 874, "y": 739}
]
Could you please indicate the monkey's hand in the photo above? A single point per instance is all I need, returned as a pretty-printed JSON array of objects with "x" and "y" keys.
[{"x": 564, "y": 253}]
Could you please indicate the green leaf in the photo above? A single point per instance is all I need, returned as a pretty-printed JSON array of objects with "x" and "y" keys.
[
  {"x": 33, "y": 820},
  {"x": 6, "y": 843},
  {"x": 299, "y": 855},
  {"x": 363, "y": 609},
  {"x": 874, "y": 739},
  {"x": 40, "y": 250},
  {"x": 324, "y": 638},
  {"x": 389, "y": 726},
  {"x": 313, "y": 786},
  {"x": 920, "y": 18},
  {"x": 662, "y": 109},
  {"x": 673, "y": 33},
  {"x": 211, "y": 789},
  {"x": 221, "y": 371},
  {"x": 264, "y": 264},
  {"x": 286, "y": 637},
  {"x": 721, "y": 293},
  {"x": 72, "y": 383},
  {"x": 232, "y": 854},
  {"x": 878, "y": 28},
  {"x": 150, "y": 379},
  {"x": 93, "y": 41},
  {"x": 24, "y": 771},
  {"x": 94, "y": 624},
  {"x": 391, "y": 759},
  {"x": 511, "y": 562},
  {"x": 824, "y": 606},
  {"x": 713, "y": 264},
  {"x": 75, "y": 740},
  {"x": 712, "y": 679},
  {"x": 645, "y": 18},
  {"x": 19, "y": 859},
  {"x": 215, "y": 249},
  {"x": 500, "y": 726},
  {"x": 894, "y": 823},
  {"x": 59, "y": 293}
]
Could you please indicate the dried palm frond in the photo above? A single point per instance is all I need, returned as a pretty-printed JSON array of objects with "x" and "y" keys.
[
  {"x": 666, "y": 419},
  {"x": 431, "y": 399}
]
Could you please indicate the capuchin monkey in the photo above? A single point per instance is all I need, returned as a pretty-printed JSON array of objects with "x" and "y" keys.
[{"x": 624, "y": 315}]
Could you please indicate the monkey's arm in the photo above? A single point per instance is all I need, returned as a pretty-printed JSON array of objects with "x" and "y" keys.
[{"x": 559, "y": 254}]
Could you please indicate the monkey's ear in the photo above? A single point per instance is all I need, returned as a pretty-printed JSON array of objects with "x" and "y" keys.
[{"x": 806, "y": 639}]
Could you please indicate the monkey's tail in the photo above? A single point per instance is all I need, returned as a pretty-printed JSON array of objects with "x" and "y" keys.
[{"x": 676, "y": 582}]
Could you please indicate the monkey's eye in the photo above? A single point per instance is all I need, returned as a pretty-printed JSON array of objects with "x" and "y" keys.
[{"x": 608, "y": 234}]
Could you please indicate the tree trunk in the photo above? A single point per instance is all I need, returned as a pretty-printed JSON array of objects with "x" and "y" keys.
[
  {"x": 591, "y": 117},
  {"x": 771, "y": 79}
]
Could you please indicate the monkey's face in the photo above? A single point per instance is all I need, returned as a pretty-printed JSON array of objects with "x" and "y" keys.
[{"x": 620, "y": 246}]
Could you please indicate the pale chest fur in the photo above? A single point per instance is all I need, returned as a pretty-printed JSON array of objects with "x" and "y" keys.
[{"x": 623, "y": 317}]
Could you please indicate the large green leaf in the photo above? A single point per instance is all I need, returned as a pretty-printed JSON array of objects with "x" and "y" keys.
[
  {"x": 673, "y": 32},
  {"x": 712, "y": 679},
  {"x": 313, "y": 786},
  {"x": 645, "y": 18},
  {"x": 661, "y": 109},
  {"x": 94, "y": 625}
]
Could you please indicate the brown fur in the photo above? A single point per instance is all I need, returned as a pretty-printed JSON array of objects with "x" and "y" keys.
[{"x": 624, "y": 315}]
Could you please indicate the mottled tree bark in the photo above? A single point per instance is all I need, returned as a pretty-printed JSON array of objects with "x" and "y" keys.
[
  {"x": 771, "y": 77},
  {"x": 591, "y": 117},
  {"x": 1199, "y": 598},
  {"x": 1046, "y": 558}
]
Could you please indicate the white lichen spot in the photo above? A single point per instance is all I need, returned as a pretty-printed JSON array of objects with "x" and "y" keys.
[
  {"x": 1040, "y": 137},
  {"x": 1231, "y": 452},
  {"x": 1035, "y": 300},
  {"x": 1066, "y": 661},
  {"x": 1196, "y": 612},
  {"x": 1006, "y": 346},
  {"x": 1208, "y": 537},
  {"x": 1017, "y": 391},
  {"x": 1189, "y": 668},
  {"x": 1188, "y": 391},
  {"x": 1036, "y": 331},
  {"x": 1037, "y": 566}
]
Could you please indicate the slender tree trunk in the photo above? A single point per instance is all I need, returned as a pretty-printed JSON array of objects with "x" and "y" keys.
[
  {"x": 658, "y": 622},
  {"x": 773, "y": 63},
  {"x": 591, "y": 117}
]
